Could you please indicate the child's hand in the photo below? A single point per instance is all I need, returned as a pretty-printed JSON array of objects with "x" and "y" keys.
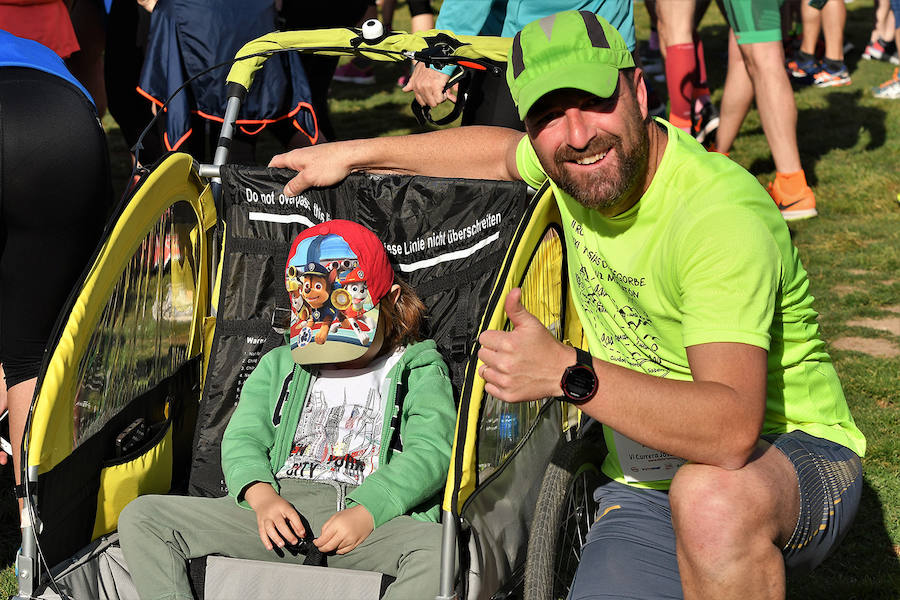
[
  {"x": 275, "y": 516},
  {"x": 345, "y": 530}
]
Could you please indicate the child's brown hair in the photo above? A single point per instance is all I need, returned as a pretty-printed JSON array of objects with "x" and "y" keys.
[{"x": 403, "y": 318}]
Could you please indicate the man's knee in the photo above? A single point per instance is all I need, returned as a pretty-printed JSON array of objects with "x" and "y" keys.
[
  {"x": 717, "y": 508},
  {"x": 761, "y": 58}
]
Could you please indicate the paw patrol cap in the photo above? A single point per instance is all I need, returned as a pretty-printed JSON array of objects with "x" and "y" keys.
[
  {"x": 336, "y": 274},
  {"x": 572, "y": 49}
]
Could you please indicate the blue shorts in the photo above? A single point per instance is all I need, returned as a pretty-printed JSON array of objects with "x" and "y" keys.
[{"x": 630, "y": 548}]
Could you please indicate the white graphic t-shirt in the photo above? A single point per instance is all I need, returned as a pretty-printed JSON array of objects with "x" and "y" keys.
[{"x": 339, "y": 434}]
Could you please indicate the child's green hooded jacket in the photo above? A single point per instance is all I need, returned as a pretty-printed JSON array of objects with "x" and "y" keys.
[{"x": 416, "y": 436}]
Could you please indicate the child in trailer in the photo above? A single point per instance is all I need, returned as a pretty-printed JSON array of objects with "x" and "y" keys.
[{"x": 353, "y": 433}]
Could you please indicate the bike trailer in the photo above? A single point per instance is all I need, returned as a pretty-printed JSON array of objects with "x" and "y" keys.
[{"x": 184, "y": 295}]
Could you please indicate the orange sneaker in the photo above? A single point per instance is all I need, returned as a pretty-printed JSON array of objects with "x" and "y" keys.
[{"x": 793, "y": 207}]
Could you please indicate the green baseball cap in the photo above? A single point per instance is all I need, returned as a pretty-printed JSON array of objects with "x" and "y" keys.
[{"x": 572, "y": 49}]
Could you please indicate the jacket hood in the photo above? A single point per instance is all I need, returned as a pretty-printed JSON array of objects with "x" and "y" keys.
[{"x": 421, "y": 353}]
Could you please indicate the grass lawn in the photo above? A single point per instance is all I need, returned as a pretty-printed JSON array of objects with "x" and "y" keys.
[{"x": 850, "y": 148}]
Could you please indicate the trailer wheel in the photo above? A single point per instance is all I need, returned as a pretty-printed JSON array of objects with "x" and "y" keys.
[{"x": 564, "y": 513}]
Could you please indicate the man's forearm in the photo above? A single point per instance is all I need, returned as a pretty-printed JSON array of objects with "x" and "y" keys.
[
  {"x": 468, "y": 152},
  {"x": 702, "y": 421},
  {"x": 715, "y": 419},
  {"x": 474, "y": 152}
]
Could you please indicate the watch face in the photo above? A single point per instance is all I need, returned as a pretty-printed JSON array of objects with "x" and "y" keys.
[{"x": 580, "y": 383}]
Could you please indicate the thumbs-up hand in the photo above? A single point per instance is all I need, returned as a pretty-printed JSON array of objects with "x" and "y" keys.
[{"x": 526, "y": 363}]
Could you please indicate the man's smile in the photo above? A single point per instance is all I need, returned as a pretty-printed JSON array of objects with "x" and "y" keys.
[
  {"x": 592, "y": 155},
  {"x": 589, "y": 160}
]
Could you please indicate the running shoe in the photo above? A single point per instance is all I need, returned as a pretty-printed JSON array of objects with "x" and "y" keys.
[
  {"x": 705, "y": 124},
  {"x": 350, "y": 73},
  {"x": 793, "y": 207},
  {"x": 890, "y": 89},
  {"x": 827, "y": 77},
  {"x": 801, "y": 68},
  {"x": 879, "y": 50},
  {"x": 874, "y": 51}
]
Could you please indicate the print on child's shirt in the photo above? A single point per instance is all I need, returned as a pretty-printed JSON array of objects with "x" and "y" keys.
[{"x": 336, "y": 442}]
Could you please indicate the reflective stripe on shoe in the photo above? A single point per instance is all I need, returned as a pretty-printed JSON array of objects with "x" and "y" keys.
[
  {"x": 890, "y": 89},
  {"x": 874, "y": 51},
  {"x": 799, "y": 214},
  {"x": 824, "y": 78}
]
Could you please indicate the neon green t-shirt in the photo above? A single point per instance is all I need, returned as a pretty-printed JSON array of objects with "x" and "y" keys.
[{"x": 704, "y": 256}]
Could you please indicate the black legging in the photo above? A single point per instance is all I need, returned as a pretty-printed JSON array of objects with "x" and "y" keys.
[{"x": 54, "y": 199}]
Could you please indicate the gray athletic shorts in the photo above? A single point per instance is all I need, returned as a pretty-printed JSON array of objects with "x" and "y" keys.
[{"x": 630, "y": 549}]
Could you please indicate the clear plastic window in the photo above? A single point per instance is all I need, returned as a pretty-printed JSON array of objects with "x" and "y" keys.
[
  {"x": 503, "y": 425},
  {"x": 145, "y": 328}
]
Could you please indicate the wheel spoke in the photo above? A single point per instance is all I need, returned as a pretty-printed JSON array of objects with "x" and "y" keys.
[
  {"x": 563, "y": 518},
  {"x": 576, "y": 521}
]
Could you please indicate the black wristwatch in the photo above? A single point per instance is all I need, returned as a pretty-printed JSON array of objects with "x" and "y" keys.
[{"x": 579, "y": 382}]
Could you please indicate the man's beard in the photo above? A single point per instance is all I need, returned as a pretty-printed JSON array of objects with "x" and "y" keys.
[{"x": 603, "y": 190}]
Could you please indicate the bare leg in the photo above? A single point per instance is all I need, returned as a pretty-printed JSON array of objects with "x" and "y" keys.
[
  {"x": 730, "y": 526},
  {"x": 890, "y": 24},
  {"x": 422, "y": 22},
  {"x": 812, "y": 25},
  {"x": 834, "y": 18},
  {"x": 675, "y": 21},
  {"x": 737, "y": 97},
  {"x": 884, "y": 20},
  {"x": 775, "y": 101},
  {"x": 19, "y": 397}
]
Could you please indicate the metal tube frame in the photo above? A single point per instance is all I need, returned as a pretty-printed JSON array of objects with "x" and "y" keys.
[
  {"x": 448, "y": 557},
  {"x": 27, "y": 560}
]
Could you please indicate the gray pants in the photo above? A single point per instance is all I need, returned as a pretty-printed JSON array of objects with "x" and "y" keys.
[
  {"x": 630, "y": 549},
  {"x": 159, "y": 533}
]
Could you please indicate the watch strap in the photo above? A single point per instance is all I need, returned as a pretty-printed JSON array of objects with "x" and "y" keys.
[{"x": 583, "y": 358}]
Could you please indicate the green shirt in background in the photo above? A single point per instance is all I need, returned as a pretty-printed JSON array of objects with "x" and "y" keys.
[{"x": 704, "y": 256}]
